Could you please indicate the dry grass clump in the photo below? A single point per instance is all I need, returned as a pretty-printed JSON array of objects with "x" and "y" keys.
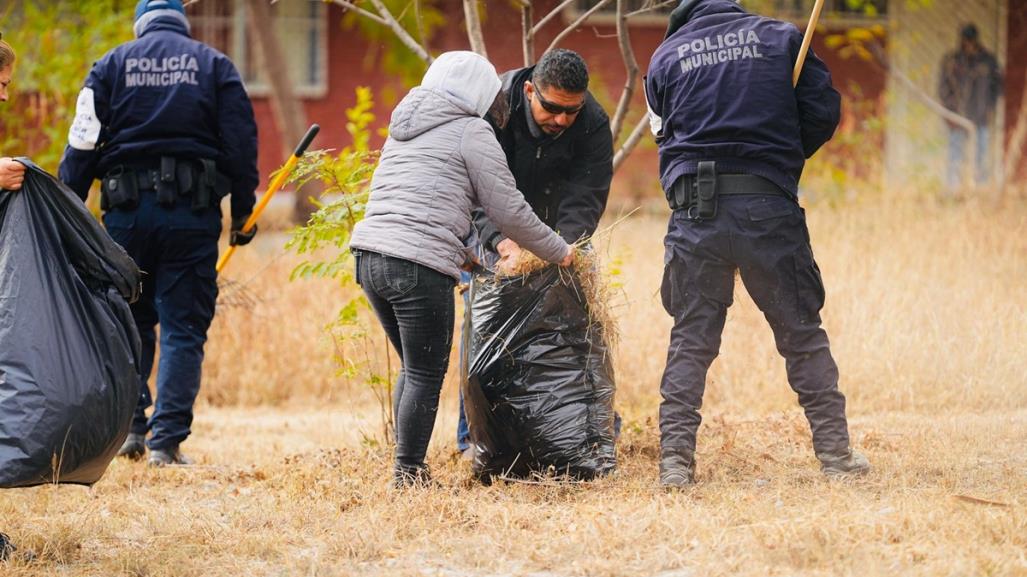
[{"x": 588, "y": 271}]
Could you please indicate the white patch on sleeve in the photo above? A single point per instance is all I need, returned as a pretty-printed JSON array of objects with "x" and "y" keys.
[
  {"x": 85, "y": 130},
  {"x": 655, "y": 122}
]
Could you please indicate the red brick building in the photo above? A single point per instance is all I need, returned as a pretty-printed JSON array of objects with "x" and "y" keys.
[{"x": 328, "y": 60}]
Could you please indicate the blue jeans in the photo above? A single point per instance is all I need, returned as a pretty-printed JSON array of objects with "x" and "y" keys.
[
  {"x": 177, "y": 250},
  {"x": 957, "y": 148},
  {"x": 415, "y": 307},
  {"x": 463, "y": 433}
]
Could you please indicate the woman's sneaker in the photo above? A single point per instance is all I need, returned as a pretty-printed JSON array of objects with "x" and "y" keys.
[
  {"x": 6, "y": 547},
  {"x": 413, "y": 477},
  {"x": 850, "y": 463}
]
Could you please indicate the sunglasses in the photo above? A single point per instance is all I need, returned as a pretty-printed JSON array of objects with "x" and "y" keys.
[{"x": 552, "y": 108}]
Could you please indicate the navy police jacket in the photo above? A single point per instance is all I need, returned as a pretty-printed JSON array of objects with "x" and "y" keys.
[
  {"x": 720, "y": 88},
  {"x": 163, "y": 94}
]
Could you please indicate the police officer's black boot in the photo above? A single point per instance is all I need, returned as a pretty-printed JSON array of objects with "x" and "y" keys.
[
  {"x": 849, "y": 463},
  {"x": 134, "y": 447},
  {"x": 677, "y": 468},
  {"x": 6, "y": 547}
]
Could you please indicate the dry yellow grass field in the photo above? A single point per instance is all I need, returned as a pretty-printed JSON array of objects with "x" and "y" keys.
[{"x": 927, "y": 311}]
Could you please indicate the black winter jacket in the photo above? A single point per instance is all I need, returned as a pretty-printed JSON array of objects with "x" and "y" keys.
[{"x": 566, "y": 179}]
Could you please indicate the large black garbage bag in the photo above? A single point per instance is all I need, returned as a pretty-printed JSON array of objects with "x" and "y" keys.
[
  {"x": 539, "y": 389},
  {"x": 69, "y": 350}
]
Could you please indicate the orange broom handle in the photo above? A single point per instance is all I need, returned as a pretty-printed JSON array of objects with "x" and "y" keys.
[
  {"x": 807, "y": 38},
  {"x": 276, "y": 184}
]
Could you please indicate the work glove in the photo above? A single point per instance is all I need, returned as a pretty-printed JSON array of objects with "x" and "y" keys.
[{"x": 238, "y": 237}]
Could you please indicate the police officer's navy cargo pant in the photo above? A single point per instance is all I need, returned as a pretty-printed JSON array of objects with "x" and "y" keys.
[
  {"x": 177, "y": 252},
  {"x": 765, "y": 239}
]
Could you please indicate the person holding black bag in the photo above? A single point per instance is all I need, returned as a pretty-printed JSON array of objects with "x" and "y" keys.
[
  {"x": 12, "y": 174},
  {"x": 440, "y": 161}
]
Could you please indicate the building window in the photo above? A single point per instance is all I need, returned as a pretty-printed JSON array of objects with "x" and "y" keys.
[
  {"x": 835, "y": 11},
  {"x": 301, "y": 29}
]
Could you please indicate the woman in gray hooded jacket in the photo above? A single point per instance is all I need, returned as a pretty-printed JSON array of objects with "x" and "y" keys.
[{"x": 440, "y": 161}]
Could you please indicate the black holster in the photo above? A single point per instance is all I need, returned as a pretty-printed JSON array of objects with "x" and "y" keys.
[
  {"x": 119, "y": 189},
  {"x": 705, "y": 206},
  {"x": 167, "y": 184},
  {"x": 696, "y": 195}
]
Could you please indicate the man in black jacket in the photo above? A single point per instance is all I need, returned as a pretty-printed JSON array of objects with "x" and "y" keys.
[
  {"x": 970, "y": 85},
  {"x": 560, "y": 149}
]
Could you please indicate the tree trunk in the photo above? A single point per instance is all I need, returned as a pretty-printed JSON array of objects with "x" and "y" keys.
[
  {"x": 1014, "y": 152},
  {"x": 474, "y": 35},
  {"x": 290, "y": 117}
]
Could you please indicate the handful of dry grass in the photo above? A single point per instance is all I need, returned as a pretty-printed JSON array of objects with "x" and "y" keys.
[
  {"x": 593, "y": 282},
  {"x": 586, "y": 267}
]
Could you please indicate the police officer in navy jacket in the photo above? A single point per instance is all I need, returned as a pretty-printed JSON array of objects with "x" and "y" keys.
[
  {"x": 733, "y": 135},
  {"x": 166, "y": 126}
]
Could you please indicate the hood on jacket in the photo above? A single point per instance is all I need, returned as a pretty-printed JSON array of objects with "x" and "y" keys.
[
  {"x": 466, "y": 78},
  {"x": 457, "y": 84},
  {"x": 690, "y": 9}
]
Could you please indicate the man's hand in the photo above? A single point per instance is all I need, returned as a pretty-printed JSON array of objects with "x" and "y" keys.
[
  {"x": 508, "y": 248},
  {"x": 238, "y": 237},
  {"x": 509, "y": 253},
  {"x": 569, "y": 259},
  {"x": 12, "y": 174}
]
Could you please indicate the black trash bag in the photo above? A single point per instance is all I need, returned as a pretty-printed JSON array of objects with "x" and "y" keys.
[
  {"x": 539, "y": 389},
  {"x": 69, "y": 349}
]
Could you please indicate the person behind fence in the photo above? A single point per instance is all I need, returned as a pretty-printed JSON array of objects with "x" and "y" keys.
[
  {"x": 440, "y": 161},
  {"x": 970, "y": 85},
  {"x": 560, "y": 150},
  {"x": 733, "y": 134},
  {"x": 165, "y": 124},
  {"x": 12, "y": 175}
]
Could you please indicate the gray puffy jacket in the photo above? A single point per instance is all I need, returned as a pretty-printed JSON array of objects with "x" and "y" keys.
[{"x": 440, "y": 161}]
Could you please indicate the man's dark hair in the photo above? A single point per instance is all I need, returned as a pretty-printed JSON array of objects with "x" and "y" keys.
[
  {"x": 563, "y": 69},
  {"x": 969, "y": 32}
]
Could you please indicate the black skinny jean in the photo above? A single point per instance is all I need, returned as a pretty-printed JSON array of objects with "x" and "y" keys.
[{"x": 415, "y": 306}]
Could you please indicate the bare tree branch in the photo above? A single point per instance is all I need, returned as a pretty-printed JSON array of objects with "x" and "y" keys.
[
  {"x": 473, "y": 20},
  {"x": 652, "y": 7},
  {"x": 631, "y": 142},
  {"x": 630, "y": 66},
  {"x": 422, "y": 37},
  {"x": 527, "y": 33},
  {"x": 385, "y": 18},
  {"x": 359, "y": 10},
  {"x": 574, "y": 25},
  {"x": 552, "y": 14}
]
